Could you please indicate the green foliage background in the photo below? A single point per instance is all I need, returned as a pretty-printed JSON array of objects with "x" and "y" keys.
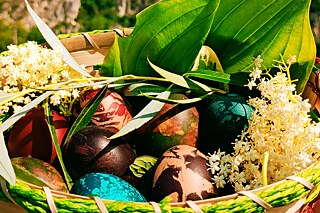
[{"x": 97, "y": 14}]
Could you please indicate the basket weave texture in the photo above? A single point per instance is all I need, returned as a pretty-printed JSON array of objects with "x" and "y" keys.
[{"x": 288, "y": 195}]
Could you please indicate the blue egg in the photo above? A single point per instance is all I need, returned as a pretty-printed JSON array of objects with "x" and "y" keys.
[
  {"x": 222, "y": 122},
  {"x": 106, "y": 186}
]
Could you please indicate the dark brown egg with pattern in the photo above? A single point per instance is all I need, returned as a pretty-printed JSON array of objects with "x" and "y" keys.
[
  {"x": 172, "y": 125},
  {"x": 112, "y": 113},
  {"x": 183, "y": 175}
]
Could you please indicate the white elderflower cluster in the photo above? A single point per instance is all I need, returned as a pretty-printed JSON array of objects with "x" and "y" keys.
[
  {"x": 33, "y": 67},
  {"x": 280, "y": 126}
]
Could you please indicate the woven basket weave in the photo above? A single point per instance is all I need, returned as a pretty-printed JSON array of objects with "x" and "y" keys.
[{"x": 284, "y": 196}]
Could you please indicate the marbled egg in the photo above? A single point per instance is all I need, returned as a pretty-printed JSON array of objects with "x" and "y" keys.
[
  {"x": 222, "y": 121},
  {"x": 182, "y": 174},
  {"x": 106, "y": 186},
  {"x": 112, "y": 113}
]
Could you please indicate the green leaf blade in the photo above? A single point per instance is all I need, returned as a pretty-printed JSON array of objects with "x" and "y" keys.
[
  {"x": 266, "y": 28},
  {"x": 86, "y": 114}
]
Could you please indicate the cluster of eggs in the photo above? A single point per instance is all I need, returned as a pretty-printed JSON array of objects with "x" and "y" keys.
[{"x": 100, "y": 166}]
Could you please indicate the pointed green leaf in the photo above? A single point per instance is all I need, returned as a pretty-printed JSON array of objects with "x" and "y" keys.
[
  {"x": 266, "y": 28},
  {"x": 53, "y": 133},
  {"x": 86, "y": 114},
  {"x": 4, "y": 97},
  {"x": 138, "y": 89},
  {"x": 218, "y": 77},
  {"x": 112, "y": 65},
  {"x": 54, "y": 42},
  {"x": 145, "y": 115},
  {"x": 170, "y": 33},
  {"x": 6, "y": 169}
]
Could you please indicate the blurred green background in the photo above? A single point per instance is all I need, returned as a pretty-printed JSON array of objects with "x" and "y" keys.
[{"x": 85, "y": 15}]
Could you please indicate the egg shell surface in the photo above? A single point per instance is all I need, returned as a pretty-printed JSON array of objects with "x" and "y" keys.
[
  {"x": 106, "y": 186},
  {"x": 183, "y": 175},
  {"x": 30, "y": 135},
  {"x": 113, "y": 112}
]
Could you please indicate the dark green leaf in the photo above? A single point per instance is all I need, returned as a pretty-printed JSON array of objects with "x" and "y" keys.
[
  {"x": 86, "y": 114},
  {"x": 244, "y": 29}
]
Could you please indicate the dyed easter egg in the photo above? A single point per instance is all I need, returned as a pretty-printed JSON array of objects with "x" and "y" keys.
[
  {"x": 30, "y": 135},
  {"x": 106, "y": 186},
  {"x": 38, "y": 172},
  {"x": 171, "y": 126},
  {"x": 182, "y": 174},
  {"x": 112, "y": 113},
  {"x": 222, "y": 121},
  {"x": 89, "y": 150}
]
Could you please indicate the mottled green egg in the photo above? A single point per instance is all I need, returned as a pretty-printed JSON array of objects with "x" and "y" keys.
[
  {"x": 106, "y": 186},
  {"x": 222, "y": 121}
]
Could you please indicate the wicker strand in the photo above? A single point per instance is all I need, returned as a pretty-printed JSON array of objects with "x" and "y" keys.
[
  {"x": 256, "y": 199},
  {"x": 194, "y": 206},
  {"x": 50, "y": 201},
  {"x": 6, "y": 191},
  {"x": 119, "y": 32},
  {"x": 301, "y": 181},
  {"x": 156, "y": 207},
  {"x": 91, "y": 41},
  {"x": 100, "y": 205}
]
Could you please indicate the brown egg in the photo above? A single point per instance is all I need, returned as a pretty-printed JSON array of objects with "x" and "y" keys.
[
  {"x": 183, "y": 175},
  {"x": 112, "y": 113}
]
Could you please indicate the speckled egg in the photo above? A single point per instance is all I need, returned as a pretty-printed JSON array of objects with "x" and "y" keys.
[
  {"x": 112, "y": 113},
  {"x": 106, "y": 186},
  {"x": 30, "y": 135},
  {"x": 222, "y": 121},
  {"x": 182, "y": 174}
]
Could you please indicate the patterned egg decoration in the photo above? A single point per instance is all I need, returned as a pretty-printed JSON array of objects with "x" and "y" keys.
[
  {"x": 222, "y": 121},
  {"x": 182, "y": 174},
  {"x": 106, "y": 186},
  {"x": 113, "y": 112}
]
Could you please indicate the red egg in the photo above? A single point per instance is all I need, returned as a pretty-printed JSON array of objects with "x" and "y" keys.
[
  {"x": 30, "y": 135},
  {"x": 113, "y": 112}
]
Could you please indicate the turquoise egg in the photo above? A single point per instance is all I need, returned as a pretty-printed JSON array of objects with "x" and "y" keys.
[
  {"x": 106, "y": 186},
  {"x": 222, "y": 121}
]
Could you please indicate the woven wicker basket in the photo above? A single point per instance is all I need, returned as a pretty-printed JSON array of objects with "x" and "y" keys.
[{"x": 284, "y": 196}]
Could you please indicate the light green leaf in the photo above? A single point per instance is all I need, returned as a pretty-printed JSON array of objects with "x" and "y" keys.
[
  {"x": 170, "y": 33},
  {"x": 54, "y": 42},
  {"x": 6, "y": 169},
  {"x": 4, "y": 97},
  {"x": 113, "y": 62},
  {"x": 21, "y": 112},
  {"x": 266, "y": 28},
  {"x": 139, "y": 89},
  {"x": 145, "y": 115},
  {"x": 142, "y": 164},
  {"x": 53, "y": 133},
  {"x": 218, "y": 77}
]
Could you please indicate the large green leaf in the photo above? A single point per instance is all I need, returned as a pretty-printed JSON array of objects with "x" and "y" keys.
[
  {"x": 244, "y": 29},
  {"x": 169, "y": 33}
]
